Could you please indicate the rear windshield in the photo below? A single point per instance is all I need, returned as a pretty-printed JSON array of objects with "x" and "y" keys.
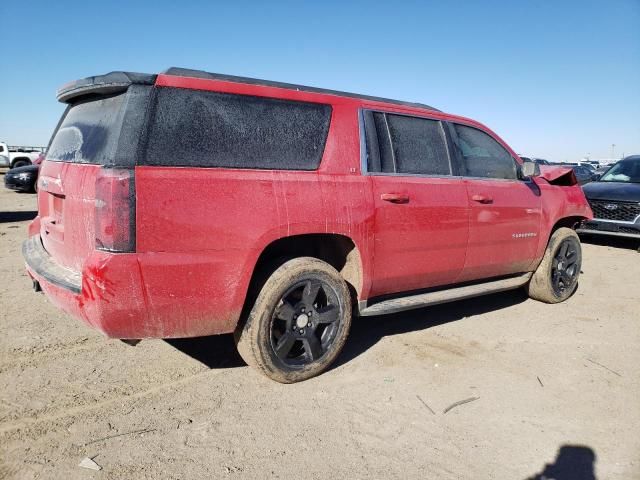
[
  {"x": 103, "y": 130},
  {"x": 89, "y": 132},
  {"x": 209, "y": 129}
]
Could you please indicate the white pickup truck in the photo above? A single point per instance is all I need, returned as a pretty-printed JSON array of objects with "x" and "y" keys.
[{"x": 18, "y": 156}]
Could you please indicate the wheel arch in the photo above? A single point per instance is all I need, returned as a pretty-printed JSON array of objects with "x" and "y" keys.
[
  {"x": 18, "y": 159},
  {"x": 338, "y": 250},
  {"x": 569, "y": 221}
]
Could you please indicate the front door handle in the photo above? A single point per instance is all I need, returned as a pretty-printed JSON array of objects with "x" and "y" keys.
[
  {"x": 482, "y": 199},
  {"x": 395, "y": 197}
]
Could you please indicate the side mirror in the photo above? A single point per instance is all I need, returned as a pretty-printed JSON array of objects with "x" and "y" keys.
[
  {"x": 595, "y": 177},
  {"x": 530, "y": 169}
]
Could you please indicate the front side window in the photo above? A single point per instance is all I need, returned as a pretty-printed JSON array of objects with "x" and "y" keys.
[
  {"x": 482, "y": 156},
  {"x": 197, "y": 128},
  {"x": 407, "y": 144}
]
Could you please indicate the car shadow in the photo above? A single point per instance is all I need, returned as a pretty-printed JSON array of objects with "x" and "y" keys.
[
  {"x": 8, "y": 217},
  {"x": 219, "y": 351},
  {"x": 367, "y": 331},
  {"x": 615, "y": 242},
  {"x": 573, "y": 462},
  {"x": 215, "y": 351}
]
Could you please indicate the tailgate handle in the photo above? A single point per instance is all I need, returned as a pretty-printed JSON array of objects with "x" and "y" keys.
[
  {"x": 482, "y": 199},
  {"x": 395, "y": 197}
]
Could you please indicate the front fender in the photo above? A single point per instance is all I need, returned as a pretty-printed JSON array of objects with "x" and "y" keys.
[{"x": 559, "y": 203}]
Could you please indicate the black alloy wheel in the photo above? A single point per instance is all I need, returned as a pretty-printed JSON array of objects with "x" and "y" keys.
[
  {"x": 299, "y": 321},
  {"x": 565, "y": 266},
  {"x": 305, "y": 322}
]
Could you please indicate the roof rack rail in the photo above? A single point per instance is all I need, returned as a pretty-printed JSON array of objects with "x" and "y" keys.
[{"x": 186, "y": 72}]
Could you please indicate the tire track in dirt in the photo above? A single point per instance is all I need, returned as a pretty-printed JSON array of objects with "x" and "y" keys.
[
  {"x": 70, "y": 412},
  {"x": 46, "y": 353}
]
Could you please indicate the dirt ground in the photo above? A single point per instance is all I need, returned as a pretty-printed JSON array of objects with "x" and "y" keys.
[{"x": 556, "y": 388}]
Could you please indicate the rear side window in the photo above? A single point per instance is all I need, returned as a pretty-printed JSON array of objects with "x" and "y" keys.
[
  {"x": 407, "y": 144},
  {"x": 210, "y": 129},
  {"x": 482, "y": 156}
]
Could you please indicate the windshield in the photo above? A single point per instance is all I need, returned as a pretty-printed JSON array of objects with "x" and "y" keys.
[{"x": 627, "y": 172}]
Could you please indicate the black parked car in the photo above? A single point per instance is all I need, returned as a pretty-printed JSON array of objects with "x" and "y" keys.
[
  {"x": 22, "y": 179},
  {"x": 615, "y": 200},
  {"x": 583, "y": 174}
]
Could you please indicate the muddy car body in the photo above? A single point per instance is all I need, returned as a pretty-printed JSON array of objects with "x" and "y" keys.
[{"x": 189, "y": 203}]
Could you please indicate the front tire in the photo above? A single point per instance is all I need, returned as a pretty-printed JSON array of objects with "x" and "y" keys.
[
  {"x": 299, "y": 322},
  {"x": 556, "y": 278}
]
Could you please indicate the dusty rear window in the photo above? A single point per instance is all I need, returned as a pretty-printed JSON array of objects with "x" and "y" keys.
[
  {"x": 89, "y": 132},
  {"x": 102, "y": 130}
]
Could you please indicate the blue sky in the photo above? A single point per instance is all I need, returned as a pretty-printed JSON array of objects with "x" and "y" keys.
[{"x": 556, "y": 79}]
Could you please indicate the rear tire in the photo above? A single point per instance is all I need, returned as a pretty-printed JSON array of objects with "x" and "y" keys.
[
  {"x": 299, "y": 321},
  {"x": 20, "y": 163},
  {"x": 556, "y": 278}
]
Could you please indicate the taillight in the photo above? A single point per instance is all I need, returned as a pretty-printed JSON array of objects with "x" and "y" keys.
[{"x": 115, "y": 210}]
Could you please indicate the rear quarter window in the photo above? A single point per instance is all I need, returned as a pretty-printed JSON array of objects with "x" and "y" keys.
[{"x": 210, "y": 129}]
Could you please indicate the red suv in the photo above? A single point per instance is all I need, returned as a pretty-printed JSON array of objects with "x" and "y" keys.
[{"x": 189, "y": 203}]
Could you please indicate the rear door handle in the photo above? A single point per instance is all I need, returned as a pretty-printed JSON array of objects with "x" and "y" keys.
[
  {"x": 395, "y": 197},
  {"x": 482, "y": 199}
]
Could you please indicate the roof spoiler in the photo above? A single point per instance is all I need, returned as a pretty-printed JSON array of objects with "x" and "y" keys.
[{"x": 113, "y": 82}]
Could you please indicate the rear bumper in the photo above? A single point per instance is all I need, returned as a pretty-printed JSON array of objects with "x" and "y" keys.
[
  {"x": 109, "y": 294},
  {"x": 39, "y": 262}
]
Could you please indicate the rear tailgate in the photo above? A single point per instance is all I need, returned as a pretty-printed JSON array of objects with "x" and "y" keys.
[
  {"x": 66, "y": 199},
  {"x": 97, "y": 132}
]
